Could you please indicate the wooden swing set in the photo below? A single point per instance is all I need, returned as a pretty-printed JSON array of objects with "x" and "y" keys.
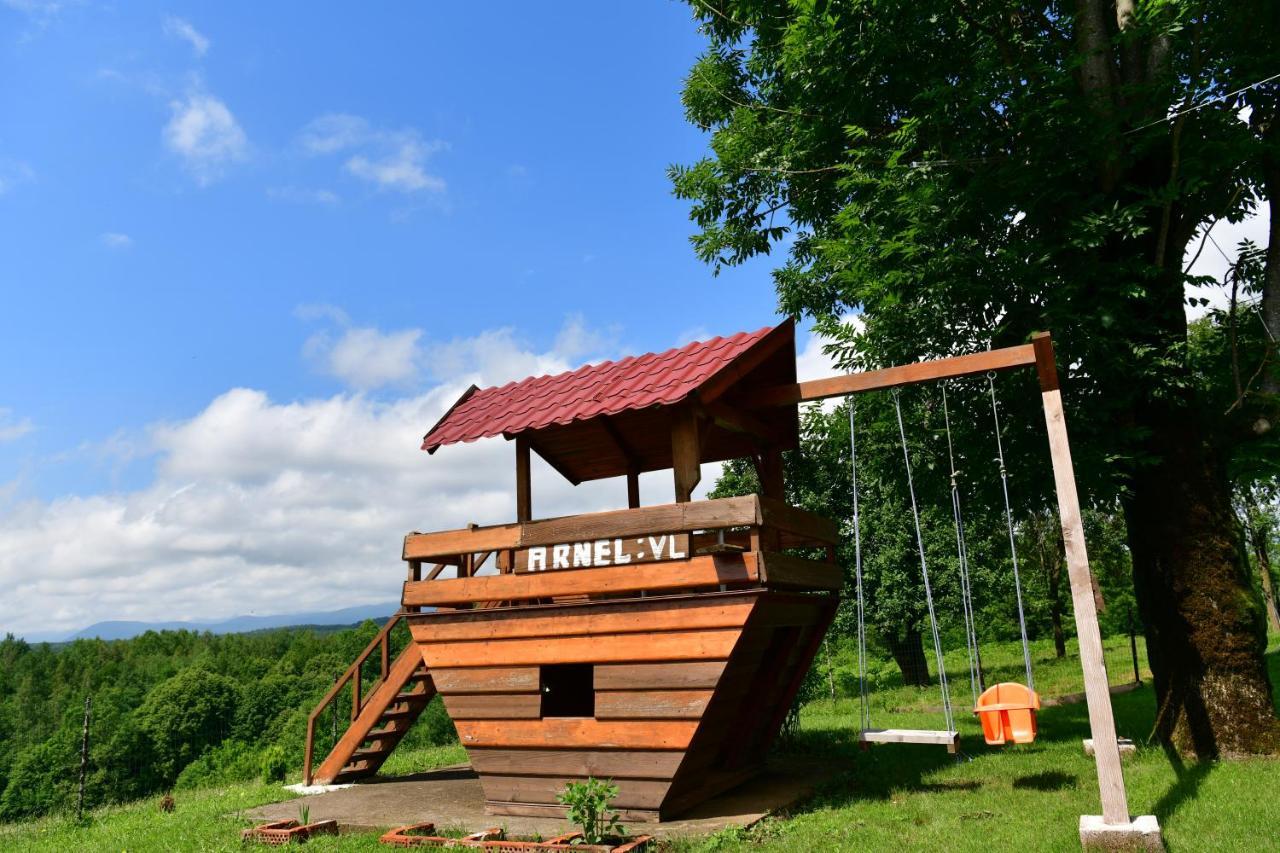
[{"x": 662, "y": 646}]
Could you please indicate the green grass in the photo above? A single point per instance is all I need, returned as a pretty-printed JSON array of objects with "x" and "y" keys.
[{"x": 891, "y": 797}]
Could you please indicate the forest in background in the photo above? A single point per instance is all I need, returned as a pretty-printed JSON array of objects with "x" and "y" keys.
[{"x": 171, "y": 710}]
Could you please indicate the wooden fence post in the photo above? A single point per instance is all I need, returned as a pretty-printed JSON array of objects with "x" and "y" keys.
[{"x": 84, "y": 756}]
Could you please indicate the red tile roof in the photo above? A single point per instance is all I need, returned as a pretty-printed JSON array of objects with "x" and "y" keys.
[{"x": 636, "y": 382}]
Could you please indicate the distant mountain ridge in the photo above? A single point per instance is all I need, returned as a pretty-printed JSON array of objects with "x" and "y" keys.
[{"x": 123, "y": 629}]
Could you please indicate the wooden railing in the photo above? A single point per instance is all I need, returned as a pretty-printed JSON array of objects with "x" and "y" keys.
[
  {"x": 795, "y": 527},
  {"x": 382, "y": 644},
  {"x": 729, "y": 542}
]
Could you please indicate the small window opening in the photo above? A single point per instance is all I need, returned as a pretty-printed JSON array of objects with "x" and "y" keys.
[{"x": 568, "y": 690}]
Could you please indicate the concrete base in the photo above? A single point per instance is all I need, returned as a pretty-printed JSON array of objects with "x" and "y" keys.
[
  {"x": 1142, "y": 833},
  {"x": 1127, "y": 747},
  {"x": 315, "y": 789}
]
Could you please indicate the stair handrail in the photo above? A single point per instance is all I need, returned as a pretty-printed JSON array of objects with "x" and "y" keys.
[{"x": 380, "y": 641}]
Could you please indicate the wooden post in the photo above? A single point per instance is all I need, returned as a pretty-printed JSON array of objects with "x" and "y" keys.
[
  {"x": 415, "y": 574},
  {"x": 1115, "y": 805},
  {"x": 84, "y": 756},
  {"x": 685, "y": 452},
  {"x": 355, "y": 695},
  {"x": 524, "y": 486},
  {"x": 633, "y": 489},
  {"x": 768, "y": 465}
]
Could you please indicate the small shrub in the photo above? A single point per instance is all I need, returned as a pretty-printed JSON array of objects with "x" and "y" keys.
[
  {"x": 275, "y": 765},
  {"x": 588, "y": 804},
  {"x": 228, "y": 762}
]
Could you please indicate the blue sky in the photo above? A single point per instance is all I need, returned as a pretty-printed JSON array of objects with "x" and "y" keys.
[
  {"x": 250, "y": 252},
  {"x": 360, "y": 206},
  {"x": 147, "y": 271}
]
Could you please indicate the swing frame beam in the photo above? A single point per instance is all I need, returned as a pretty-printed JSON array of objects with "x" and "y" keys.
[{"x": 1115, "y": 820}]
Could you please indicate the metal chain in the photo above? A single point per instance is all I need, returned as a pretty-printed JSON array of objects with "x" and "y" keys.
[
  {"x": 962, "y": 556},
  {"x": 865, "y": 710},
  {"x": 1008, "y": 515},
  {"x": 924, "y": 568}
]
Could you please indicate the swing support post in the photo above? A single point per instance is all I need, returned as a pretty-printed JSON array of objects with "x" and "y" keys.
[{"x": 1114, "y": 826}]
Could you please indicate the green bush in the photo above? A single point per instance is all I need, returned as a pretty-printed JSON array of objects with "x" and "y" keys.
[
  {"x": 40, "y": 781},
  {"x": 274, "y": 764},
  {"x": 185, "y": 715},
  {"x": 230, "y": 761},
  {"x": 588, "y": 804}
]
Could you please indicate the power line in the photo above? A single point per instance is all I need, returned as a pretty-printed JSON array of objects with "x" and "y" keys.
[{"x": 1202, "y": 105}]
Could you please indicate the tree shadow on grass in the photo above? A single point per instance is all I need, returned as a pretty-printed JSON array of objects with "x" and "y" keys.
[
  {"x": 1049, "y": 780},
  {"x": 1185, "y": 787}
]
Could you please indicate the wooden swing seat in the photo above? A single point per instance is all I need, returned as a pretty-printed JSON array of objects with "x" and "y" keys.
[{"x": 932, "y": 737}]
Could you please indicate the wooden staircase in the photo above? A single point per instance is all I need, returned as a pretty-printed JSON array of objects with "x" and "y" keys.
[{"x": 379, "y": 720}]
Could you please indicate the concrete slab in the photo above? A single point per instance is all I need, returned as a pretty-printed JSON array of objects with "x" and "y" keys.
[
  {"x": 451, "y": 798},
  {"x": 1142, "y": 833},
  {"x": 1126, "y": 746}
]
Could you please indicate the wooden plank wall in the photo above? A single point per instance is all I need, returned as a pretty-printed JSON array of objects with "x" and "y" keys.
[
  {"x": 657, "y": 664},
  {"x": 680, "y": 689}
]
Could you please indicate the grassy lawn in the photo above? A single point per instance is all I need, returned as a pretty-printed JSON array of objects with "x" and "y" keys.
[{"x": 891, "y": 797}]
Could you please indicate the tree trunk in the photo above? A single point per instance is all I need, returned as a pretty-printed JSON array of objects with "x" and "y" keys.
[
  {"x": 1051, "y": 563},
  {"x": 1258, "y": 536},
  {"x": 1204, "y": 625},
  {"x": 908, "y": 654}
]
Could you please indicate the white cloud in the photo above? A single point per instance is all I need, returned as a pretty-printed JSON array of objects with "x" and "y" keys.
[
  {"x": 388, "y": 159},
  {"x": 335, "y": 132},
  {"x": 13, "y": 173},
  {"x": 1215, "y": 260},
  {"x": 302, "y": 195},
  {"x": 268, "y": 506},
  {"x": 115, "y": 240},
  {"x": 366, "y": 358},
  {"x": 206, "y": 135},
  {"x": 401, "y": 170},
  {"x": 12, "y": 429},
  {"x": 178, "y": 28}
]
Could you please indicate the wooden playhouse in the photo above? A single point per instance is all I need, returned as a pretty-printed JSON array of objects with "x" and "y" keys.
[{"x": 657, "y": 646}]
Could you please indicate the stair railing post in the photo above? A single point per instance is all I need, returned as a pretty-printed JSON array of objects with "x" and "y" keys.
[
  {"x": 355, "y": 694},
  {"x": 307, "y": 756},
  {"x": 386, "y": 653}
]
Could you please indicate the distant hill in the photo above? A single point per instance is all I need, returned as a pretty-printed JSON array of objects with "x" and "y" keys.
[{"x": 123, "y": 630}]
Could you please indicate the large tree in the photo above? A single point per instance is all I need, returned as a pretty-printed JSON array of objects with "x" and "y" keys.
[{"x": 962, "y": 174}]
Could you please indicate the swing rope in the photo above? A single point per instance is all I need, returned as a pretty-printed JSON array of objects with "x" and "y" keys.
[
  {"x": 865, "y": 715},
  {"x": 962, "y": 556},
  {"x": 1008, "y": 515},
  {"x": 924, "y": 568}
]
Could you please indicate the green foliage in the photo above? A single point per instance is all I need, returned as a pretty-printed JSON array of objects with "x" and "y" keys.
[
  {"x": 274, "y": 764},
  {"x": 185, "y": 715},
  {"x": 588, "y": 804},
  {"x": 173, "y": 708},
  {"x": 41, "y": 780},
  {"x": 229, "y": 761}
]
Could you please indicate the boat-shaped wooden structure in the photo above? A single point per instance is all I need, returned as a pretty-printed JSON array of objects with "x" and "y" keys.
[{"x": 657, "y": 646}]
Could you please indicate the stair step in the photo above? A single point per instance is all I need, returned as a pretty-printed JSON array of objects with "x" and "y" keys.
[
  {"x": 403, "y": 714},
  {"x": 420, "y": 675},
  {"x": 389, "y": 731},
  {"x": 368, "y": 752}
]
